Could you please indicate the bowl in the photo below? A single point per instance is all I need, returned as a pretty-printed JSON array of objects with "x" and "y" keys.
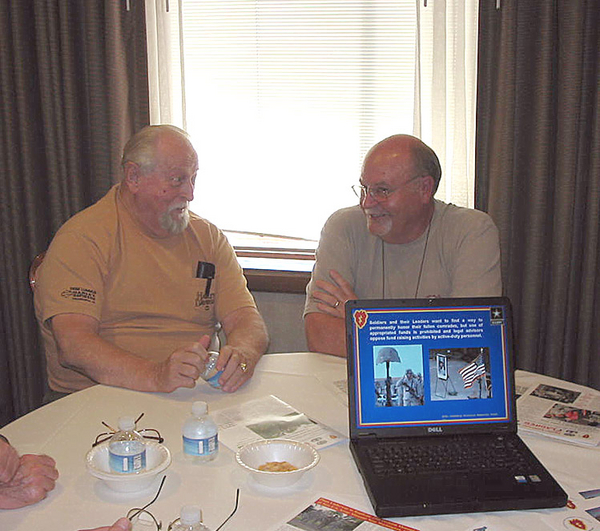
[
  {"x": 158, "y": 458},
  {"x": 301, "y": 455}
]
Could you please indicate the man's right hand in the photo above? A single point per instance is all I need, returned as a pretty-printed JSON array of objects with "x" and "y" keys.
[
  {"x": 183, "y": 367},
  {"x": 35, "y": 477}
]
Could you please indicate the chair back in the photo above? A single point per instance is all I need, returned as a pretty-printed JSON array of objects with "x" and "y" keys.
[{"x": 33, "y": 269}]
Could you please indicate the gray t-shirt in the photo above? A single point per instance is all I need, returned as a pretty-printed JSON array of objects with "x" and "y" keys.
[{"x": 461, "y": 258}]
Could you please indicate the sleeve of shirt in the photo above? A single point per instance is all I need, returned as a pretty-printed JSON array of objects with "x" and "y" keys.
[
  {"x": 476, "y": 268},
  {"x": 333, "y": 252},
  {"x": 71, "y": 277},
  {"x": 230, "y": 282}
]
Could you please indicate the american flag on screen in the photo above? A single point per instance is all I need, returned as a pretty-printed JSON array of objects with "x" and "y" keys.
[{"x": 473, "y": 371}]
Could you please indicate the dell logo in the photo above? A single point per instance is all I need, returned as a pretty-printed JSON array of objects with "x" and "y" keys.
[{"x": 435, "y": 429}]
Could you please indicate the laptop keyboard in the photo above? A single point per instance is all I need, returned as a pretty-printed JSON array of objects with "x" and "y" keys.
[{"x": 455, "y": 455}]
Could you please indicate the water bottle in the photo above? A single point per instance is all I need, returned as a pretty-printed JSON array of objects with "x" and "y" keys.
[
  {"x": 126, "y": 449},
  {"x": 190, "y": 519},
  {"x": 210, "y": 374},
  {"x": 200, "y": 435}
]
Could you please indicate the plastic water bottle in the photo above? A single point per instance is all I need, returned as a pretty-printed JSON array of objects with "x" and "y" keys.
[
  {"x": 200, "y": 435},
  {"x": 190, "y": 519},
  {"x": 210, "y": 373},
  {"x": 126, "y": 449}
]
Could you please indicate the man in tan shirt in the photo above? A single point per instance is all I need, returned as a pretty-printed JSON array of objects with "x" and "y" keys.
[{"x": 120, "y": 296}]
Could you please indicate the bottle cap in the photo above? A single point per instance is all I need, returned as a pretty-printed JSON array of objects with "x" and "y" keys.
[
  {"x": 199, "y": 408},
  {"x": 190, "y": 515},
  {"x": 126, "y": 423}
]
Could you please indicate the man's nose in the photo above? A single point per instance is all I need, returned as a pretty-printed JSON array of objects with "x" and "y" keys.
[
  {"x": 187, "y": 190},
  {"x": 367, "y": 201}
]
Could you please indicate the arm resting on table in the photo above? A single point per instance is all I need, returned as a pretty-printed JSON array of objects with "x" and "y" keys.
[
  {"x": 325, "y": 333},
  {"x": 82, "y": 349}
]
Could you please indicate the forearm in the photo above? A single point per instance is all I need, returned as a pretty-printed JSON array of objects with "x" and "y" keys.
[
  {"x": 325, "y": 333},
  {"x": 83, "y": 350},
  {"x": 247, "y": 332}
]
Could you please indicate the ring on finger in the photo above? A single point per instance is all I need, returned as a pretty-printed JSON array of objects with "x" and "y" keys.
[
  {"x": 244, "y": 366},
  {"x": 337, "y": 303}
]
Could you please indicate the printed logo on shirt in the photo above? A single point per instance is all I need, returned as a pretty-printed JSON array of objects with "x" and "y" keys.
[
  {"x": 204, "y": 301},
  {"x": 80, "y": 294}
]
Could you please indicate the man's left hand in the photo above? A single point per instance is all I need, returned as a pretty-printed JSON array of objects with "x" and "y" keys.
[{"x": 237, "y": 366}]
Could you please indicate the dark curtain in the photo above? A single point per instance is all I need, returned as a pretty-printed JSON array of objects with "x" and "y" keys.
[
  {"x": 73, "y": 87},
  {"x": 538, "y": 174}
]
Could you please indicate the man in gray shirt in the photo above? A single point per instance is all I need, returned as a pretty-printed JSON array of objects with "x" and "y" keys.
[{"x": 399, "y": 242}]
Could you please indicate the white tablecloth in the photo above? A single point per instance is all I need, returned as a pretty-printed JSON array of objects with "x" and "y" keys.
[{"x": 65, "y": 430}]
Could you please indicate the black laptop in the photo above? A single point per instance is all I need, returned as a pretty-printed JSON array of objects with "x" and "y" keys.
[{"x": 433, "y": 424}]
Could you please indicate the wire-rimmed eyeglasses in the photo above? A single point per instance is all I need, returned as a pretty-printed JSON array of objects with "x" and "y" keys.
[
  {"x": 147, "y": 433},
  {"x": 151, "y": 522},
  {"x": 134, "y": 514},
  {"x": 378, "y": 193}
]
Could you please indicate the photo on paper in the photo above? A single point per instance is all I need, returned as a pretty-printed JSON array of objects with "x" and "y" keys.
[
  {"x": 556, "y": 394},
  {"x": 316, "y": 518},
  {"x": 573, "y": 415},
  {"x": 281, "y": 426},
  {"x": 595, "y": 512},
  {"x": 589, "y": 494}
]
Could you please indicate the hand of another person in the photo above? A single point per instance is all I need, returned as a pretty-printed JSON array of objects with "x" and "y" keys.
[
  {"x": 332, "y": 296},
  {"x": 9, "y": 462},
  {"x": 183, "y": 367},
  {"x": 35, "y": 477},
  {"x": 122, "y": 524}
]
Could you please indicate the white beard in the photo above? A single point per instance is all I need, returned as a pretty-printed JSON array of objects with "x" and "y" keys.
[{"x": 175, "y": 225}]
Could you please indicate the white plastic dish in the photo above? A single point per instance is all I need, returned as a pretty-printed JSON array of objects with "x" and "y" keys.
[
  {"x": 158, "y": 458},
  {"x": 301, "y": 455}
]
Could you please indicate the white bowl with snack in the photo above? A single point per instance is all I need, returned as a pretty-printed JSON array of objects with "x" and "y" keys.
[
  {"x": 277, "y": 463},
  {"x": 158, "y": 458}
]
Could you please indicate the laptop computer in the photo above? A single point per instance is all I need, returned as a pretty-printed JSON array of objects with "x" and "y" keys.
[{"x": 437, "y": 375}]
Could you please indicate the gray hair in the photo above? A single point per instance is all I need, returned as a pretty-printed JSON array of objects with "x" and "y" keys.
[
  {"x": 141, "y": 147},
  {"x": 426, "y": 162}
]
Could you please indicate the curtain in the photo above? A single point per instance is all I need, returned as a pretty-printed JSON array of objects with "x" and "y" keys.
[
  {"x": 73, "y": 87},
  {"x": 445, "y": 91},
  {"x": 538, "y": 175}
]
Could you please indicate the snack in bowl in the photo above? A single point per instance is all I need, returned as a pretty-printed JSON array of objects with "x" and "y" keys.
[
  {"x": 273, "y": 453},
  {"x": 277, "y": 466}
]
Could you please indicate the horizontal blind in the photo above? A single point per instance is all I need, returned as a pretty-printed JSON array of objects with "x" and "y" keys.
[{"x": 284, "y": 98}]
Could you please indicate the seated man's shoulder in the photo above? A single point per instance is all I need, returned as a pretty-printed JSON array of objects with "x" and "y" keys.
[
  {"x": 346, "y": 219},
  {"x": 452, "y": 215}
]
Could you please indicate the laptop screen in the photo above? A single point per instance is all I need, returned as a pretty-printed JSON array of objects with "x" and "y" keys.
[{"x": 430, "y": 366}]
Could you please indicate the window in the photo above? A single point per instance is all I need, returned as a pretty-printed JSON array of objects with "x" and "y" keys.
[{"x": 283, "y": 98}]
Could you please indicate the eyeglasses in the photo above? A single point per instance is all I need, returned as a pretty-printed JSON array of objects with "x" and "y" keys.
[
  {"x": 378, "y": 193},
  {"x": 147, "y": 433},
  {"x": 237, "y": 499},
  {"x": 133, "y": 515},
  {"x": 150, "y": 522}
]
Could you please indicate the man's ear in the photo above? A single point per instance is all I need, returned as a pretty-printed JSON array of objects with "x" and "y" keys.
[
  {"x": 427, "y": 187},
  {"x": 131, "y": 176}
]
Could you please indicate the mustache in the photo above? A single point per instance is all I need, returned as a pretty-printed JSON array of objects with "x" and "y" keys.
[{"x": 177, "y": 206}]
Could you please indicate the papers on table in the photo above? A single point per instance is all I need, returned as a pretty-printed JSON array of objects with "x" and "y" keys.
[
  {"x": 562, "y": 410},
  {"x": 270, "y": 418},
  {"x": 327, "y": 514}
]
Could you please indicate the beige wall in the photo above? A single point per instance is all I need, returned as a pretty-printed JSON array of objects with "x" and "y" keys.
[{"x": 283, "y": 314}]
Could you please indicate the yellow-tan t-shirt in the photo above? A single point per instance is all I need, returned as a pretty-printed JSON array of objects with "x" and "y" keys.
[{"x": 143, "y": 290}]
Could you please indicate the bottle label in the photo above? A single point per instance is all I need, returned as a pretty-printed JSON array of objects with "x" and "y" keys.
[
  {"x": 214, "y": 380},
  {"x": 127, "y": 464},
  {"x": 200, "y": 447}
]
